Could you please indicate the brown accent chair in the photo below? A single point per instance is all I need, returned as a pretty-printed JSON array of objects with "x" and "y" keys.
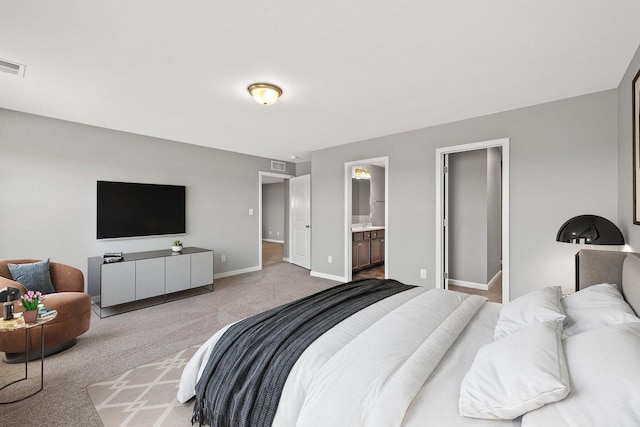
[{"x": 70, "y": 301}]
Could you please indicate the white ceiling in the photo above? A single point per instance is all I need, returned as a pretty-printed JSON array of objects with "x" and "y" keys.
[{"x": 350, "y": 70}]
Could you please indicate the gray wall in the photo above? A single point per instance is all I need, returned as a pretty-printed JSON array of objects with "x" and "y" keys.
[
  {"x": 48, "y": 174},
  {"x": 559, "y": 153},
  {"x": 630, "y": 231},
  {"x": 273, "y": 203},
  {"x": 303, "y": 168},
  {"x": 468, "y": 216}
]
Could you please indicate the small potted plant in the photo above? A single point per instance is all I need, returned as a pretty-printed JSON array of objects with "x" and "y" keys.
[
  {"x": 29, "y": 303},
  {"x": 176, "y": 246}
]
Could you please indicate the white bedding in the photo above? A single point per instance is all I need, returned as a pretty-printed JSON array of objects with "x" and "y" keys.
[{"x": 398, "y": 362}]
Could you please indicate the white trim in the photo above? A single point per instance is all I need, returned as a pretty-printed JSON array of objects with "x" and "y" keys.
[
  {"x": 348, "y": 211},
  {"x": 440, "y": 152},
  {"x": 285, "y": 259},
  {"x": 329, "y": 277},
  {"x": 236, "y": 272},
  {"x": 273, "y": 241},
  {"x": 260, "y": 175},
  {"x": 472, "y": 285}
]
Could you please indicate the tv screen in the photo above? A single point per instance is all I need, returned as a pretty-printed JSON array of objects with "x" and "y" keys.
[{"x": 127, "y": 209}]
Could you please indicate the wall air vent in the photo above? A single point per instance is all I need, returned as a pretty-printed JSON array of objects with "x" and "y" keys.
[
  {"x": 278, "y": 166},
  {"x": 12, "y": 68}
]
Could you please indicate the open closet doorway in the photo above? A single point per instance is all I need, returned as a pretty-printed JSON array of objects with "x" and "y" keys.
[
  {"x": 366, "y": 218},
  {"x": 472, "y": 198},
  {"x": 273, "y": 218}
]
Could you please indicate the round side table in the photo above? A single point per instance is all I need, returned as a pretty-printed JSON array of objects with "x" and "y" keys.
[{"x": 18, "y": 323}]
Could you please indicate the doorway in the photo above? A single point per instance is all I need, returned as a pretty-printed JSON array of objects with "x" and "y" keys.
[
  {"x": 366, "y": 218},
  {"x": 472, "y": 203},
  {"x": 273, "y": 218}
]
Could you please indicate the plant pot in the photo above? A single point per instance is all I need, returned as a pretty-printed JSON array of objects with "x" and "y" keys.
[
  {"x": 176, "y": 248},
  {"x": 30, "y": 316}
]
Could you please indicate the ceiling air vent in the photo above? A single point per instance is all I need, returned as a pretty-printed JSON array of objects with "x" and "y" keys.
[
  {"x": 12, "y": 68},
  {"x": 278, "y": 166}
]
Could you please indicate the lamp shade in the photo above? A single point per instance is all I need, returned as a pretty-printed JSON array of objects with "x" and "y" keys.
[{"x": 590, "y": 229}]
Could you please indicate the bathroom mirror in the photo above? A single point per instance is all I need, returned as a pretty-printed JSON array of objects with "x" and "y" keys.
[{"x": 361, "y": 194}]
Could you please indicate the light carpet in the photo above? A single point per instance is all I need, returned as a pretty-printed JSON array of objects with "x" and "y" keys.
[{"x": 120, "y": 343}]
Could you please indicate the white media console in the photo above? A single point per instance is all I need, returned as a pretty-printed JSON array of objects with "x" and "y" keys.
[{"x": 148, "y": 278}]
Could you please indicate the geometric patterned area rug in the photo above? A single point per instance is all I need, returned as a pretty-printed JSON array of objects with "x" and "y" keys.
[{"x": 144, "y": 396}]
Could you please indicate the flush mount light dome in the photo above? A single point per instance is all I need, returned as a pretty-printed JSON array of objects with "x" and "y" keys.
[
  {"x": 265, "y": 93},
  {"x": 360, "y": 173}
]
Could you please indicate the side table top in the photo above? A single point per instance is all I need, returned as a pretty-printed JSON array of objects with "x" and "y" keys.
[{"x": 18, "y": 322}]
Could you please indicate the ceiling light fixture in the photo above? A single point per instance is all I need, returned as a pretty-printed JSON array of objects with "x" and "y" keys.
[
  {"x": 361, "y": 174},
  {"x": 265, "y": 93}
]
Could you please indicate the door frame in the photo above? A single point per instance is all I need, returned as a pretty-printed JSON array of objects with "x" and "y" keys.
[
  {"x": 260, "y": 176},
  {"x": 440, "y": 256},
  {"x": 348, "y": 210}
]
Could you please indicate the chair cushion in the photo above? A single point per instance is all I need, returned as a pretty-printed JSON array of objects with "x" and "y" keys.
[{"x": 33, "y": 276}]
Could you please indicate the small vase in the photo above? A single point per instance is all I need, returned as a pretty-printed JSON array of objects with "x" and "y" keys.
[
  {"x": 30, "y": 316},
  {"x": 176, "y": 248}
]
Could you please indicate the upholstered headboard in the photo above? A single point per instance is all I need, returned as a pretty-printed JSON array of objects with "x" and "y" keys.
[{"x": 620, "y": 268}]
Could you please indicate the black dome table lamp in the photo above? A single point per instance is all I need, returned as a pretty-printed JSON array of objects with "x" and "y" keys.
[{"x": 589, "y": 230}]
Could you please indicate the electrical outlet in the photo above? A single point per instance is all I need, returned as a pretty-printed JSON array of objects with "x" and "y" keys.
[
  {"x": 250, "y": 211},
  {"x": 269, "y": 232},
  {"x": 329, "y": 259},
  {"x": 223, "y": 258},
  {"x": 277, "y": 233},
  {"x": 423, "y": 273}
]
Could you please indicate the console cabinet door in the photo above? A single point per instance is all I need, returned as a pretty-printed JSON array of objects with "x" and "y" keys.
[
  {"x": 201, "y": 269},
  {"x": 177, "y": 273},
  {"x": 149, "y": 278},
  {"x": 377, "y": 248},
  {"x": 118, "y": 283},
  {"x": 364, "y": 254}
]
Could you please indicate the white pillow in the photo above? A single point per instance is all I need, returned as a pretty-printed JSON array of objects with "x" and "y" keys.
[
  {"x": 605, "y": 373},
  {"x": 595, "y": 307},
  {"x": 516, "y": 374},
  {"x": 538, "y": 306}
]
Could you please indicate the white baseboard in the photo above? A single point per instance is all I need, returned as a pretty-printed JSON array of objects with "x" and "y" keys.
[
  {"x": 273, "y": 241},
  {"x": 495, "y": 279},
  {"x": 328, "y": 276},
  {"x": 236, "y": 272},
  {"x": 471, "y": 285}
]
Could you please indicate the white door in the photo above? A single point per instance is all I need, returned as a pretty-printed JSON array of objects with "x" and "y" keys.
[{"x": 300, "y": 205}]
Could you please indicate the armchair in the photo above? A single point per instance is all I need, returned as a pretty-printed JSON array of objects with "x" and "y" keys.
[{"x": 70, "y": 301}]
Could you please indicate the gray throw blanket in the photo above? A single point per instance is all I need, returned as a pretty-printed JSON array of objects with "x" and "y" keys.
[{"x": 244, "y": 377}]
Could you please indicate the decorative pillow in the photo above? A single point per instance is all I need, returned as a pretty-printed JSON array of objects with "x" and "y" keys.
[
  {"x": 538, "y": 306},
  {"x": 595, "y": 307},
  {"x": 516, "y": 374},
  {"x": 605, "y": 372},
  {"x": 34, "y": 276},
  {"x": 631, "y": 282}
]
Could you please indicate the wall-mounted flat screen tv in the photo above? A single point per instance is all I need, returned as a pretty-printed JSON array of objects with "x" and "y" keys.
[{"x": 127, "y": 209}]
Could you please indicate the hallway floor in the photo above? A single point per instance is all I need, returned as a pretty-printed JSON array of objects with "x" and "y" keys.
[
  {"x": 272, "y": 253},
  {"x": 494, "y": 294}
]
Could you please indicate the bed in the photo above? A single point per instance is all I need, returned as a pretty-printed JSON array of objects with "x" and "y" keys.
[{"x": 416, "y": 357}]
